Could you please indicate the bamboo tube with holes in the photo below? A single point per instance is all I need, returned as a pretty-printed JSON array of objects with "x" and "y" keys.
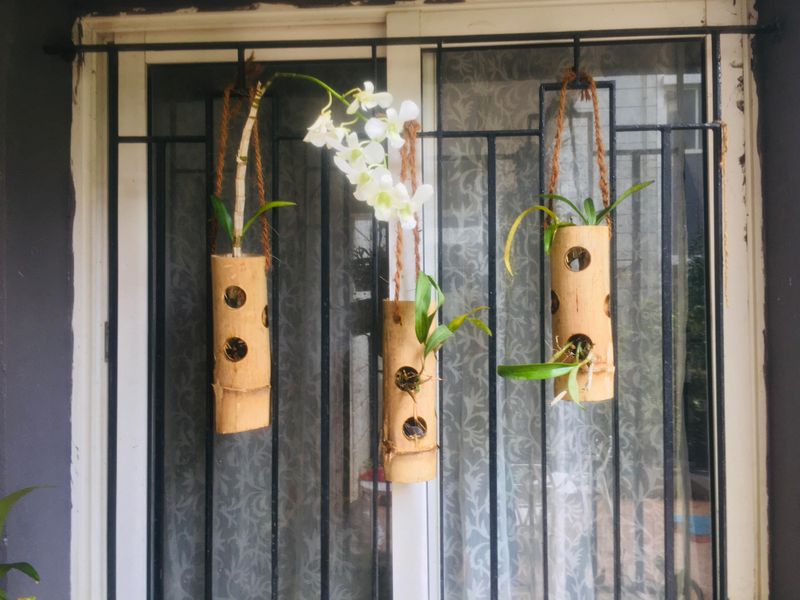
[
  {"x": 241, "y": 343},
  {"x": 409, "y": 419},
  {"x": 580, "y": 269}
]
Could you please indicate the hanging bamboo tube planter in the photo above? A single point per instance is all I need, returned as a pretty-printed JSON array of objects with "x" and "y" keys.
[
  {"x": 580, "y": 275},
  {"x": 580, "y": 263},
  {"x": 242, "y": 358},
  {"x": 409, "y": 399}
]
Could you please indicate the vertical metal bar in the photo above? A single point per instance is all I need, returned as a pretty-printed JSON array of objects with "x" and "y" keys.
[
  {"x": 616, "y": 520},
  {"x": 492, "y": 301},
  {"x": 325, "y": 353},
  {"x": 374, "y": 347},
  {"x": 667, "y": 361},
  {"x": 719, "y": 306},
  {"x": 208, "y": 551},
  {"x": 274, "y": 328},
  {"x": 156, "y": 341},
  {"x": 113, "y": 282},
  {"x": 576, "y": 54},
  {"x": 543, "y": 350},
  {"x": 241, "y": 71},
  {"x": 440, "y": 278}
]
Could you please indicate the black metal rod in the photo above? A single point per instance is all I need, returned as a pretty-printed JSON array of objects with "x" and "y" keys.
[
  {"x": 491, "y": 158},
  {"x": 274, "y": 329},
  {"x": 440, "y": 133},
  {"x": 208, "y": 551},
  {"x": 615, "y": 411},
  {"x": 161, "y": 139},
  {"x": 719, "y": 305},
  {"x": 567, "y": 36},
  {"x": 156, "y": 372},
  {"x": 374, "y": 348},
  {"x": 111, "y": 332},
  {"x": 716, "y": 79},
  {"x": 542, "y": 354},
  {"x": 667, "y": 366},
  {"x": 325, "y": 361},
  {"x": 440, "y": 277}
]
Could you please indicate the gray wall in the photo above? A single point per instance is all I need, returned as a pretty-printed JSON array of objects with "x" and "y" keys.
[
  {"x": 36, "y": 265},
  {"x": 778, "y": 62},
  {"x": 35, "y": 291}
]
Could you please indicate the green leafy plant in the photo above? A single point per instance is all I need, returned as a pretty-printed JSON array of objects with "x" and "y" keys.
[
  {"x": 568, "y": 362},
  {"x": 427, "y": 303},
  {"x": 26, "y": 568},
  {"x": 588, "y": 216},
  {"x": 224, "y": 217}
]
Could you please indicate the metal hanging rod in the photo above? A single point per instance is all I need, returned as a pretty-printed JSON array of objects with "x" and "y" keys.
[{"x": 70, "y": 50}]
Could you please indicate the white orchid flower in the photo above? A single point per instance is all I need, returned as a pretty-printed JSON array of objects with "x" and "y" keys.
[
  {"x": 391, "y": 126},
  {"x": 354, "y": 151},
  {"x": 383, "y": 195},
  {"x": 365, "y": 179},
  {"x": 367, "y": 99},
  {"x": 324, "y": 133},
  {"x": 407, "y": 211}
]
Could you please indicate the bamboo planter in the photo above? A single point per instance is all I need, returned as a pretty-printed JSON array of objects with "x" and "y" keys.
[
  {"x": 580, "y": 270},
  {"x": 409, "y": 427},
  {"x": 241, "y": 343}
]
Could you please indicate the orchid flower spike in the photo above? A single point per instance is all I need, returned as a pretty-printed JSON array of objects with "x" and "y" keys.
[{"x": 368, "y": 98}]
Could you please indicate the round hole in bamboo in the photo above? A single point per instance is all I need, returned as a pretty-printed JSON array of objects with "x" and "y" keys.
[
  {"x": 235, "y": 349},
  {"x": 581, "y": 345},
  {"x": 235, "y": 296},
  {"x": 577, "y": 258},
  {"x": 407, "y": 379},
  {"x": 265, "y": 317},
  {"x": 415, "y": 428},
  {"x": 554, "y": 302}
]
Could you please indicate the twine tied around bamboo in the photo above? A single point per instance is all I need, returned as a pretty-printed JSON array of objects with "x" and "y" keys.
[{"x": 587, "y": 93}]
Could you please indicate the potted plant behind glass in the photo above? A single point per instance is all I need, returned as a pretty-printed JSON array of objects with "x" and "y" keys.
[
  {"x": 580, "y": 271},
  {"x": 410, "y": 335}
]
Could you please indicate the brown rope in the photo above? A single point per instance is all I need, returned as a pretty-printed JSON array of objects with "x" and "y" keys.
[
  {"x": 398, "y": 270},
  {"x": 255, "y": 140},
  {"x": 590, "y": 93}
]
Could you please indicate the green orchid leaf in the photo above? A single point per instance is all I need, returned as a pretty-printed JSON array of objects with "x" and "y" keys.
[
  {"x": 22, "y": 567},
  {"x": 422, "y": 303},
  {"x": 629, "y": 192},
  {"x": 439, "y": 336},
  {"x": 223, "y": 216},
  {"x": 480, "y": 325},
  {"x": 459, "y": 320},
  {"x": 550, "y": 235},
  {"x": 589, "y": 210},
  {"x": 513, "y": 231},
  {"x": 568, "y": 202},
  {"x": 262, "y": 210},
  {"x": 9, "y": 501},
  {"x": 536, "y": 371},
  {"x": 3, "y": 595},
  {"x": 572, "y": 385},
  {"x": 439, "y": 292}
]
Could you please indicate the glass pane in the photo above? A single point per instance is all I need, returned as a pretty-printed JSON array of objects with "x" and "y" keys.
[
  {"x": 244, "y": 562},
  {"x": 497, "y": 89}
]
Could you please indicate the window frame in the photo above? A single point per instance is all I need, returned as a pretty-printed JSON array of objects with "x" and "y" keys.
[{"x": 745, "y": 465}]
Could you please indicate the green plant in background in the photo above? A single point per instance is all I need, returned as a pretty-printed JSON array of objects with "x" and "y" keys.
[
  {"x": 588, "y": 216},
  {"x": 5, "y": 506},
  {"x": 427, "y": 303}
]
